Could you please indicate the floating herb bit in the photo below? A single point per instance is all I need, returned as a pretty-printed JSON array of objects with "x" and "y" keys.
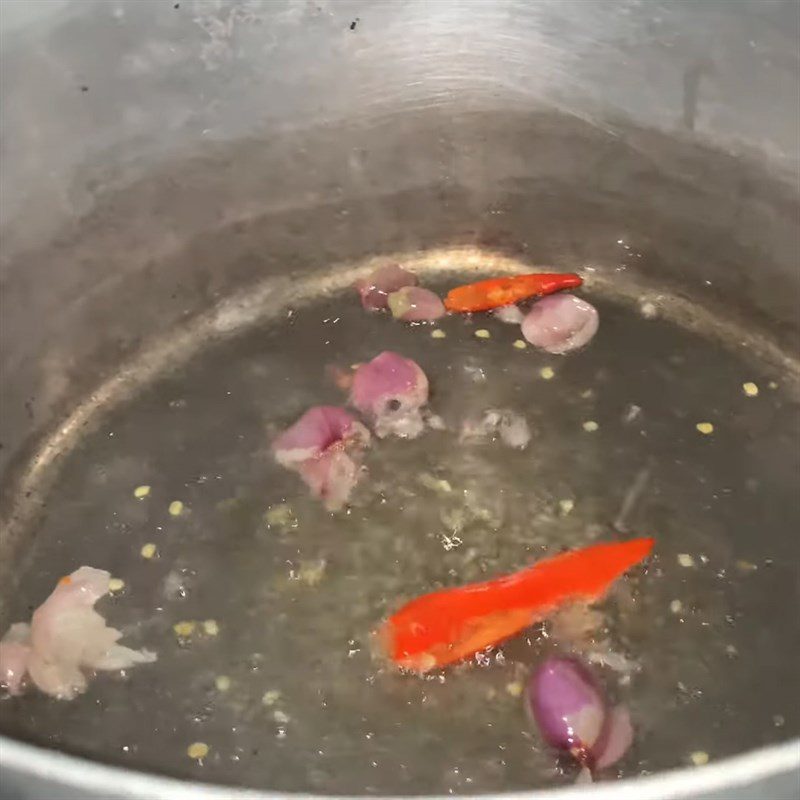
[
  {"x": 140, "y": 492},
  {"x": 197, "y": 750},
  {"x": 148, "y": 550},
  {"x": 184, "y": 629},
  {"x": 175, "y": 508},
  {"x": 750, "y": 389}
]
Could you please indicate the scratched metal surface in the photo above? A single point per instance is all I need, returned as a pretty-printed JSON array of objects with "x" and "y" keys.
[
  {"x": 200, "y": 433},
  {"x": 159, "y": 158}
]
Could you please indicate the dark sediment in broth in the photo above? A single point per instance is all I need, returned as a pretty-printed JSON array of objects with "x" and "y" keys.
[{"x": 295, "y": 592}]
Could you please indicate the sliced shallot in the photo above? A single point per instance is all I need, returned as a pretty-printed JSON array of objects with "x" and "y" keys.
[
  {"x": 390, "y": 391},
  {"x": 560, "y": 323},
  {"x": 415, "y": 304},
  {"x": 66, "y": 640},
  {"x": 325, "y": 448},
  {"x": 565, "y": 700},
  {"x": 379, "y": 284}
]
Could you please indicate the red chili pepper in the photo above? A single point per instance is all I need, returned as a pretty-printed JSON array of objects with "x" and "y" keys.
[
  {"x": 497, "y": 292},
  {"x": 446, "y": 626}
]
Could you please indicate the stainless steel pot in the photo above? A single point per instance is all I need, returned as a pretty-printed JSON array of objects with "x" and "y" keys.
[{"x": 170, "y": 169}]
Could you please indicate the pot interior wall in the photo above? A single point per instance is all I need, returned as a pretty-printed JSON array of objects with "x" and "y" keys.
[{"x": 173, "y": 298}]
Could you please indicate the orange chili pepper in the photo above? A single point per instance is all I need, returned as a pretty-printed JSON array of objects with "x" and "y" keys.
[
  {"x": 446, "y": 626},
  {"x": 497, "y": 292}
]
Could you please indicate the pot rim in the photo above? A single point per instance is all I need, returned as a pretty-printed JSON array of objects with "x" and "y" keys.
[{"x": 81, "y": 773}]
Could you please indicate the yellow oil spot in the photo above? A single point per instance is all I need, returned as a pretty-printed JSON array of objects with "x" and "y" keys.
[
  {"x": 140, "y": 492},
  {"x": 184, "y": 629},
  {"x": 590, "y": 426},
  {"x": 482, "y": 333},
  {"x": 438, "y": 333},
  {"x": 175, "y": 508},
  {"x": 746, "y": 566},
  {"x": 210, "y": 627},
  {"x": 676, "y": 606},
  {"x": 565, "y": 506},
  {"x": 773, "y": 385},
  {"x": 706, "y": 428},
  {"x": 271, "y": 697},
  {"x": 148, "y": 550},
  {"x": 686, "y": 560},
  {"x": 750, "y": 389},
  {"x": 116, "y": 584},
  {"x": 197, "y": 750},
  {"x": 547, "y": 373},
  {"x": 222, "y": 682},
  {"x": 520, "y": 344},
  {"x": 699, "y": 758},
  {"x": 515, "y": 689}
]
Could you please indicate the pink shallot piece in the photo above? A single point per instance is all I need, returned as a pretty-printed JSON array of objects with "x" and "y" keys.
[
  {"x": 390, "y": 391},
  {"x": 379, "y": 284},
  {"x": 15, "y": 651},
  {"x": 560, "y": 323},
  {"x": 415, "y": 304},
  {"x": 66, "y": 640},
  {"x": 325, "y": 448},
  {"x": 618, "y": 737}
]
